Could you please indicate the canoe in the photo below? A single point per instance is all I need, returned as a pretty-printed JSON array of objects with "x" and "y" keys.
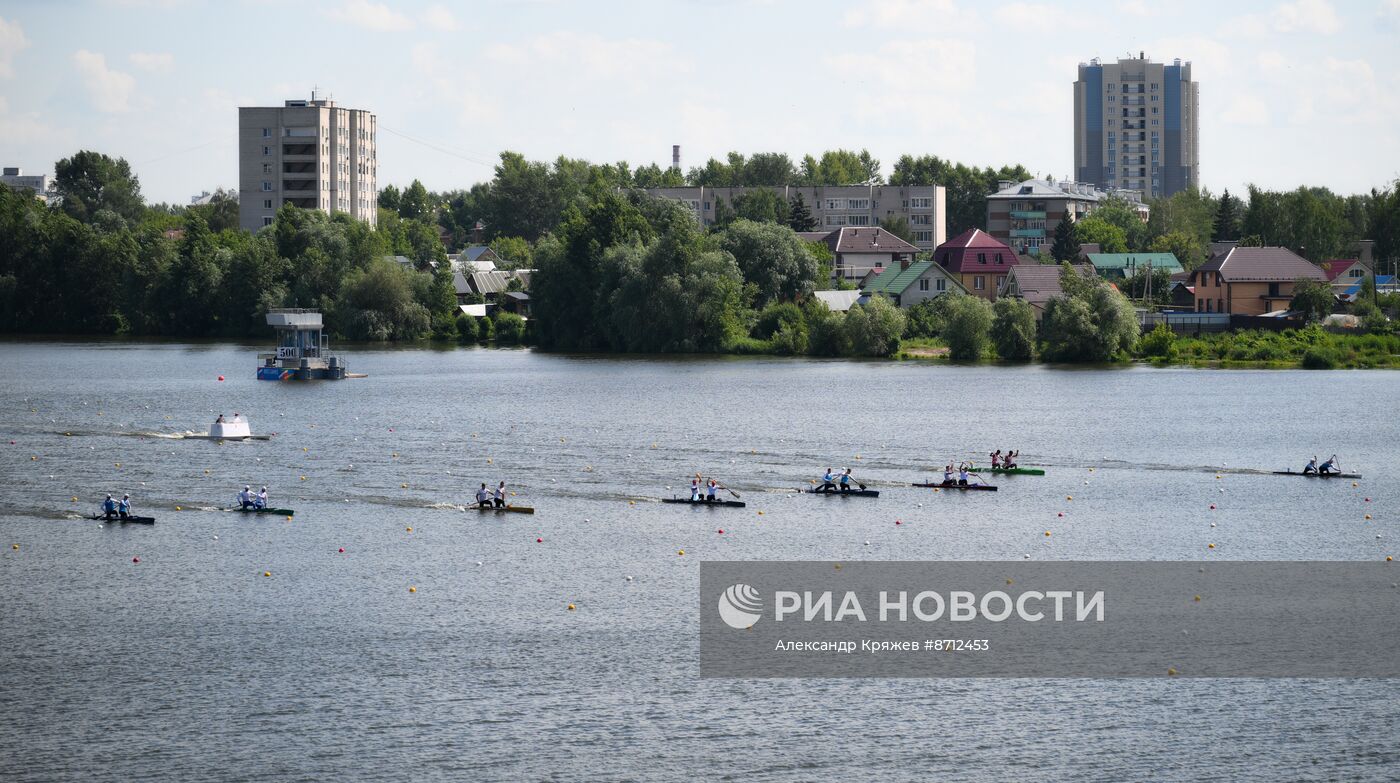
[
  {"x": 504, "y": 509},
  {"x": 851, "y": 493},
  {"x": 688, "y": 501},
  {"x": 127, "y": 521},
  {"x": 1317, "y": 475},
  {"x": 281, "y": 512},
  {"x": 982, "y": 487},
  {"x": 1015, "y": 471}
]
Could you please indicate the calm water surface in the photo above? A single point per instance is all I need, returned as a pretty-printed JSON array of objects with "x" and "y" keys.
[{"x": 193, "y": 665}]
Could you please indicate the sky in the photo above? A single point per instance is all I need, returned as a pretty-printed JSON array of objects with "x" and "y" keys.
[{"x": 1292, "y": 92}]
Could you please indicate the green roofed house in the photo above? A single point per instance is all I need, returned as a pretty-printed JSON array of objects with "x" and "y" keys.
[
  {"x": 912, "y": 282},
  {"x": 1120, "y": 266}
]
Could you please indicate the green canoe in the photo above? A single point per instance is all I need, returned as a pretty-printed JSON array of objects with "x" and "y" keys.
[{"x": 1015, "y": 471}]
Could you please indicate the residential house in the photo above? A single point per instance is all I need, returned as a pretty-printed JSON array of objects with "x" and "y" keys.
[
  {"x": 859, "y": 250},
  {"x": 1345, "y": 273},
  {"x": 517, "y": 302},
  {"x": 1251, "y": 280},
  {"x": 912, "y": 282},
  {"x": 1026, "y": 214},
  {"x": 978, "y": 261},
  {"x": 1119, "y": 266},
  {"x": 1037, "y": 284},
  {"x": 480, "y": 257},
  {"x": 1384, "y": 284},
  {"x": 1181, "y": 295}
]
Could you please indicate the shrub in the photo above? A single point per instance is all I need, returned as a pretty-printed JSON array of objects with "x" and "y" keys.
[
  {"x": 968, "y": 330},
  {"x": 775, "y": 317},
  {"x": 466, "y": 328},
  {"x": 1013, "y": 330},
  {"x": 1319, "y": 358},
  {"x": 874, "y": 328},
  {"x": 1160, "y": 343}
]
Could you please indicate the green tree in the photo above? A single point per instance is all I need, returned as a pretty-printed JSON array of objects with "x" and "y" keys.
[
  {"x": 967, "y": 186},
  {"x": 762, "y": 206},
  {"x": 1091, "y": 322},
  {"x": 929, "y": 318},
  {"x": 1186, "y": 216},
  {"x": 510, "y": 328},
  {"x": 874, "y": 328},
  {"x": 1312, "y": 298},
  {"x": 1226, "y": 224},
  {"x": 799, "y": 215},
  {"x": 839, "y": 167},
  {"x": 969, "y": 328},
  {"x": 415, "y": 205},
  {"x": 1065, "y": 247},
  {"x": 1013, "y": 330},
  {"x": 90, "y": 182},
  {"x": 772, "y": 258},
  {"x": 899, "y": 226},
  {"x": 377, "y": 303},
  {"x": 1094, "y": 229},
  {"x": 390, "y": 197},
  {"x": 1118, "y": 212},
  {"x": 514, "y": 252},
  {"x": 1185, "y": 247}
]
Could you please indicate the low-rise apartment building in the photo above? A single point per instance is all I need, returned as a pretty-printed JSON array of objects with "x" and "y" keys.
[
  {"x": 1025, "y": 215},
  {"x": 837, "y": 206}
]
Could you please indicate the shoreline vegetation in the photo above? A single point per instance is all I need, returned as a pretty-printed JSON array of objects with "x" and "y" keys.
[{"x": 613, "y": 270}]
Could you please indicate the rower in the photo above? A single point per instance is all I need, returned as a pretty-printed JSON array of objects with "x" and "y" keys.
[
  {"x": 828, "y": 483},
  {"x": 962, "y": 474},
  {"x": 1009, "y": 461},
  {"x": 262, "y": 498},
  {"x": 695, "y": 488},
  {"x": 996, "y": 459},
  {"x": 1330, "y": 466},
  {"x": 846, "y": 480},
  {"x": 109, "y": 508},
  {"x": 1311, "y": 467},
  {"x": 483, "y": 497},
  {"x": 246, "y": 497},
  {"x": 124, "y": 507},
  {"x": 710, "y": 488},
  {"x": 948, "y": 475},
  {"x": 501, "y": 495},
  {"x": 219, "y": 420}
]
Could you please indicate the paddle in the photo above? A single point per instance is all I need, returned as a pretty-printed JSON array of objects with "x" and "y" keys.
[{"x": 727, "y": 489}]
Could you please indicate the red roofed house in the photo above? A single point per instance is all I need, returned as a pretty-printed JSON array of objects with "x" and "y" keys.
[
  {"x": 1250, "y": 280},
  {"x": 1343, "y": 273},
  {"x": 978, "y": 260}
]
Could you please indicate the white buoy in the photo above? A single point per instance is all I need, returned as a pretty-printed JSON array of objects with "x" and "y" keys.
[{"x": 629, "y": 578}]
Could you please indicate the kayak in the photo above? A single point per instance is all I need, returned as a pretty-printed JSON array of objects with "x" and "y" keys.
[
  {"x": 982, "y": 487},
  {"x": 859, "y": 493},
  {"x": 128, "y": 520},
  {"x": 688, "y": 501},
  {"x": 503, "y": 509},
  {"x": 281, "y": 512},
  {"x": 1016, "y": 471},
  {"x": 1317, "y": 475}
]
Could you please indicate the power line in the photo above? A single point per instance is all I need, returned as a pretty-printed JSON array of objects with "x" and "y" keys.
[
  {"x": 219, "y": 140},
  {"x": 438, "y": 147}
]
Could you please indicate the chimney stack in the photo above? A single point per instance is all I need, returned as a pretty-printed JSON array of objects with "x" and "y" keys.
[{"x": 676, "y": 157}]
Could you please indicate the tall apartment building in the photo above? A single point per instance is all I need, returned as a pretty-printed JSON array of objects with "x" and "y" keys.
[
  {"x": 836, "y": 206},
  {"x": 307, "y": 153},
  {"x": 1025, "y": 215},
  {"x": 1136, "y": 126}
]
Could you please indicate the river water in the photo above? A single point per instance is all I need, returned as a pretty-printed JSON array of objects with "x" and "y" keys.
[{"x": 192, "y": 664}]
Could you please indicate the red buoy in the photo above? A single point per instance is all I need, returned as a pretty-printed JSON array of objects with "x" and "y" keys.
[
  {"x": 897, "y": 522},
  {"x": 539, "y": 541},
  {"x": 221, "y": 377},
  {"x": 1212, "y": 506},
  {"x": 342, "y": 550},
  {"x": 135, "y": 559}
]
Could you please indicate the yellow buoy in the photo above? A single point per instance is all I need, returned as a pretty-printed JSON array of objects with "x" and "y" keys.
[
  {"x": 1198, "y": 598},
  {"x": 16, "y": 546},
  {"x": 403, "y": 486},
  {"x": 1011, "y": 581},
  {"x": 177, "y": 508},
  {"x": 1210, "y": 546},
  {"x": 267, "y": 573},
  {"x": 1069, "y": 497},
  {"x": 1387, "y": 557},
  {"x": 303, "y": 448},
  {"x": 1047, "y": 532},
  {"x": 1368, "y": 516},
  {"x": 412, "y": 589},
  {"x": 838, "y": 566},
  {"x": 1353, "y": 483},
  {"x": 760, "y": 513},
  {"x": 303, "y": 478},
  {"x": 409, "y": 529},
  {"x": 75, "y": 499},
  {"x": 631, "y": 502},
  {"x": 1171, "y": 672},
  {"x": 206, "y": 471},
  {"x": 571, "y": 607},
  {"x": 118, "y": 464},
  {"x": 289, "y": 519},
  {"x": 680, "y": 551}
]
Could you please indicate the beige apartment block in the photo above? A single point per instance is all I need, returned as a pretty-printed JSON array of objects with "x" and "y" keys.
[
  {"x": 1137, "y": 126},
  {"x": 310, "y": 154},
  {"x": 839, "y": 206}
]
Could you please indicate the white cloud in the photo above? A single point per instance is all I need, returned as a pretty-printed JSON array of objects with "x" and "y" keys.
[
  {"x": 633, "y": 61},
  {"x": 1136, "y": 8},
  {"x": 372, "y": 16},
  {"x": 1249, "y": 110},
  {"x": 110, "y": 90},
  {"x": 1309, "y": 16},
  {"x": 925, "y": 15},
  {"x": 12, "y": 42},
  {"x": 153, "y": 61},
  {"x": 439, "y": 17},
  {"x": 1036, "y": 16}
]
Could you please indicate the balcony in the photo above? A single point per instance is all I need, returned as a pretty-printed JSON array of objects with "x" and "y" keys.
[
  {"x": 299, "y": 167},
  {"x": 1027, "y": 232},
  {"x": 291, "y": 150},
  {"x": 1028, "y": 214},
  {"x": 299, "y": 185}
]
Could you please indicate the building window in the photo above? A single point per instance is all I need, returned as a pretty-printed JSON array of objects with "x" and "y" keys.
[
  {"x": 921, "y": 220},
  {"x": 267, "y": 168},
  {"x": 858, "y": 220},
  {"x": 923, "y": 284},
  {"x": 267, "y": 133},
  {"x": 267, "y": 220},
  {"x": 981, "y": 258},
  {"x": 998, "y": 258},
  {"x": 267, "y": 150},
  {"x": 940, "y": 285},
  {"x": 979, "y": 283},
  {"x": 267, "y": 203},
  {"x": 833, "y": 203},
  {"x": 923, "y": 236},
  {"x": 267, "y": 186},
  {"x": 858, "y": 203},
  {"x": 921, "y": 203}
]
